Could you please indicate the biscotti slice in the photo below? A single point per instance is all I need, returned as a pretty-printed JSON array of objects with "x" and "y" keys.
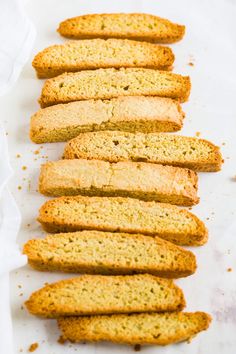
[
  {"x": 146, "y": 181},
  {"x": 63, "y": 122},
  {"x": 99, "y": 53},
  {"x": 97, "y": 252},
  {"x": 118, "y": 214},
  {"x": 109, "y": 83},
  {"x": 166, "y": 149},
  {"x": 145, "y": 328},
  {"x": 138, "y": 26},
  {"x": 101, "y": 294}
]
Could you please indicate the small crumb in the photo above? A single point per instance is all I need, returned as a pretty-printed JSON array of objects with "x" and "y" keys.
[
  {"x": 22, "y": 307},
  {"x": 19, "y": 286},
  {"x": 36, "y": 152},
  {"x": 6, "y": 133},
  {"x": 208, "y": 218},
  {"x": 223, "y": 144},
  {"x": 45, "y": 284},
  {"x": 190, "y": 63},
  {"x": 24, "y": 168},
  {"x": 18, "y": 156},
  {"x": 198, "y": 134},
  {"x": 137, "y": 347},
  {"x": 190, "y": 208},
  {"x": 28, "y": 225},
  {"x": 21, "y": 294},
  {"x": 33, "y": 347},
  {"x": 61, "y": 340},
  {"x": 229, "y": 270},
  {"x": 19, "y": 187},
  {"x": 21, "y": 350}
]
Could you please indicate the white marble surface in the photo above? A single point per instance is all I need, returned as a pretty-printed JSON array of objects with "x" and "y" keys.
[{"x": 210, "y": 44}]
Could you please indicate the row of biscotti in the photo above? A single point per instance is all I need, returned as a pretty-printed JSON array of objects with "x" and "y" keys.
[{"x": 103, "y": 252}]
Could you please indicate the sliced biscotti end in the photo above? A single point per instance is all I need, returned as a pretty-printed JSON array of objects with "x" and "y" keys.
[
  {"x": 138, "y": 26},
  {"x": 118, "y": 214},
  {"x": 97, "y": 252},
  {"x": 100, "y": 294},
  {"x": 111, "y": 83},
  {"x": 99, "y": 53},
  {"x": 152, "y": 328}
]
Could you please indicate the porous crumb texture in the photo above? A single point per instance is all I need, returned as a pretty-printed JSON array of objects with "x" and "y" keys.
[
  {"x": 133, "y": 114},
  {"x": 147, "y": 328},
  {"x": 136, "y": 26},
  {"x": 140, "y": 180},
  {"x": 99, "y": 53},
  {"x": 118, "y": 214},
  {"x": 100, "y": 294},
  {"x": 110, "y": 83},
  {"x": 97, "y": 252},
  {"x": 166, "y": 149}
]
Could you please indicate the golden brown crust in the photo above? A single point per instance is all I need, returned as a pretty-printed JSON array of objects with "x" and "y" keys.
[
  {"x": 139, "y": 180},
  {"x": 100, "y": 294},
  {"x": 99, "y": 53},
  {"x": 166, "y": 149},
  {"x": 155, "y": 328},
  {"x": 96, "y": 252},
  {"x": 63, "y": 122},
  {"x": 110, "y": 83},
  {"x": 118, "y": 214},
  {"x": 136, "y": 26}
]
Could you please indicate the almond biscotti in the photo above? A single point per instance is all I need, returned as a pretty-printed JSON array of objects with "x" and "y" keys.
[
  {"x": 100, "y": 294},
  {"x": 145, "y": 328},
  {"x": 63, "y": 122},
  {"x": 97, "y": 252},
  {"x": 166, "y": 149},
  {"x": 109, "y": 83},
  {"x": 138, "y": 26},
  {"x": 146, "y": 181},
  {"x": 99, "y": 53},
  {"x": 118, "y": 214}
]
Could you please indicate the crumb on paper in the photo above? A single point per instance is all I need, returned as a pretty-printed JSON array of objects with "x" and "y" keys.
[
  {"x": 223, "y": 143},
  {"x": 21, "y": 350},
  {"x": 137, "y": 347},
  {"x": 190, "y": 208},
  {"x": 19, "y": 286},
  {"x": 6, "y": 133},
  {"x": 36, "y": 152},
  {"x": 19, "y": 188},
  {"x": 28, "y": 225},
  {"x": 33, "y": 347},
  {"x": 24, "y": 168},
  {"x": 22, "y": 307},
  {"x": 21, "y": 294},
  {"x": 229, "y": 270},
  {"x": 197, "y": 134},
  {"x": 208, "y": 218},
  {"x": 61, "y": 340},
  {"x": 191, "y": 63},
  {"x": 18, "y": 156}
]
